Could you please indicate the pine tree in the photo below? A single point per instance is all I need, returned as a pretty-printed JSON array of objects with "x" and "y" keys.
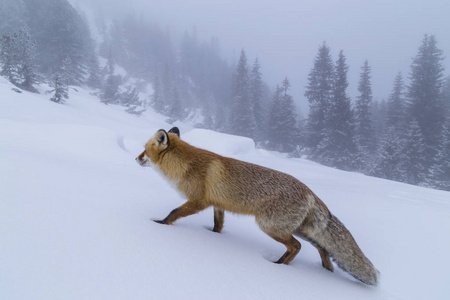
[
  {"x": 256, "y": 86},
  {"x": 60, "y": 90},
  {"x": 274, "y": 137},
  {"x": 166, "y": 86},
  {"x": 319, "y": 92},
  {"x": 60, "y": 33},
  {"x": 110, "y": 93},
  {"x": 413, "y": 164},
  {"x": 424, "y": 94},
  {"x": 18, "y": 58},
  {"x": 66, "y": 69},
  {"x": 157, "y": 100},
  {"x": 282, "y": 120},
  {"x": 130, "y": 99},
  {"x": 208, "y": 112},
  {"x": 8, "y": 57},
  {"x": 378, "y": 113},
  {"x": 396, "y": 105},
  {"x": 364, "y": 135},
  {"x": 446, "y": 97},
  {"x": 176, "y": 109},
  {"x": 26, "y": 54},
  {"x": 439, "y": 174},
  {"x": 337, "y": 148},
  {"x": 242, "y": 121},
  {"x": 95, "y": 79},
  {"x": 389, "y": 156}
]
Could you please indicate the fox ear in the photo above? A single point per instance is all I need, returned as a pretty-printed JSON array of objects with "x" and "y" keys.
[
  {"x": 175, "y": 130},
  {"x": 162, "y": 138}
]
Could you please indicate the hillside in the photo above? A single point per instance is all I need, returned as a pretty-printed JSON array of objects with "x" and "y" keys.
[{"x": 76, "y": 211}]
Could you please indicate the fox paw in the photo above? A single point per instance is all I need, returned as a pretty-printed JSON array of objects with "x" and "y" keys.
[
  {"x": 160, "y": 221},
  {"x": 216, "y": 229}
]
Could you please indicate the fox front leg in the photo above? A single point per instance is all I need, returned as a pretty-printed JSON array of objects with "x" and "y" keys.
[
  {"x": 187, "y": 209},
  {"x": 219, "y": 216}
]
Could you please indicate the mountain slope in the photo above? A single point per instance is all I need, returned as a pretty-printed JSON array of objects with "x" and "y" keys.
[{"x": 76, "y": 211}]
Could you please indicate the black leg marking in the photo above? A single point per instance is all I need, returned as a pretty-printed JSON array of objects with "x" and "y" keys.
[
  {"x": 167, "y": 218},
  {"x": 282, "y": 259}
]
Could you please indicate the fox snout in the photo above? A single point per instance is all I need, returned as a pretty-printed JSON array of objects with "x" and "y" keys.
[{"x": 142, "y": 159}]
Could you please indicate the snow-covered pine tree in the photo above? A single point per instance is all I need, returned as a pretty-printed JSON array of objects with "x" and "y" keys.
[
  {"x": 18, "y": 59},
  {"x": 60, "y": 90},
  {"x": 208, "y": 111},
  {"x": 95, "y": 79},
  {"x": 424, "y": 99},
  {"x": 176, "y": 110},
  {"x": 166, "y": 87},
  {"x": 282, "y": 128},
  {"x": 256, "y": 86},
  {"x": 26, "y": 60},
  {"x": 396, "y": 110},
  {"x": 8, "y": 57},
  {"x": 289, "y": 116},
  {"x": 170, "y": 97},
  {"x": 110, "y": 92},
  {"x": 364, "y": 134},
  {"x": 242, "y": 121},
  {"x": 389, "y": 156},
  {"x": 446, "y": 97},
  {"x": 274, "y": 121},
  {"x": 337, "y": 148},
  {"x": 67, "y": 72},
  {"x": 378, "y": 113},
  {"x": 157, "y": 100},
  {"x": 60, "y": 33},
  {"x": 439, "y": 173},
  {"x": 413, "y": 164},
  {"x": 130, "y": 99},
  {"x": 319, "y": 92}
]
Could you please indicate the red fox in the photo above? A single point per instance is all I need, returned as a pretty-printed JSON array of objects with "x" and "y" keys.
[{"x": 282, "y": 205}]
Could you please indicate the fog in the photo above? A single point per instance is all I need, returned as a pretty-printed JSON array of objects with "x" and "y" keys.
[{"x": 285, "y": 34}]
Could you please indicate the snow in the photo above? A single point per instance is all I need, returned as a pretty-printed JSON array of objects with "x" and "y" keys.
[
  {"x": 76, "y": 217},
  {"x": 221, "y": 143}
]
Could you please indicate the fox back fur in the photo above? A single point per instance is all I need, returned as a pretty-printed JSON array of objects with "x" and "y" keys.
[{"x": 282, "y": 205}]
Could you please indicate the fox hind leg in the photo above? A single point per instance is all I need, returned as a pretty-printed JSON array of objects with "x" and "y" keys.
[
  {"x": 326, "y": 262},
  {"x": 324, "y": 255},
  {"x": 292, "y": 245}
]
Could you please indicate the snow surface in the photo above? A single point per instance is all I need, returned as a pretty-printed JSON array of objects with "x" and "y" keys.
[{"x": 76, "y": 217}]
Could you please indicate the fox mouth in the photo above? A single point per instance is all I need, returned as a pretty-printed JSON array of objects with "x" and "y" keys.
[{"x": 142, "y": 162}]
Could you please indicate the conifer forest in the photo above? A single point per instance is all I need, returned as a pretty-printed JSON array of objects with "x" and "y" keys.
[{"x": 135, "y": 62}]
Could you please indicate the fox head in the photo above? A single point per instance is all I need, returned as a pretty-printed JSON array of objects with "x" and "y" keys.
[{"x": 156, "y": 147}]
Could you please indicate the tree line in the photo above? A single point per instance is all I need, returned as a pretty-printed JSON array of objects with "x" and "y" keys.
[{"x": 405, "y": 138}]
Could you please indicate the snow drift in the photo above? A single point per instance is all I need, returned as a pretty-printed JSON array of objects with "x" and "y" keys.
[{"x": 76, "y": 210}]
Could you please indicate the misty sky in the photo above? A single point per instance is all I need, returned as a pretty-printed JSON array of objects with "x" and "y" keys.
[{"x": 286, "y": 34}]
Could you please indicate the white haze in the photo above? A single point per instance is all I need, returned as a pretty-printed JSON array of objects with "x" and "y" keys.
[{"x": 285, "y": 34}]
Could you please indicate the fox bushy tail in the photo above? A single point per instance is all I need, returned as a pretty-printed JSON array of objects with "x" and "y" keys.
[{"x": 338, "y": 242}]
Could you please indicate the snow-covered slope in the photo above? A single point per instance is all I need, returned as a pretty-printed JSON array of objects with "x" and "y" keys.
[{"x": 76, "y": 210}]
